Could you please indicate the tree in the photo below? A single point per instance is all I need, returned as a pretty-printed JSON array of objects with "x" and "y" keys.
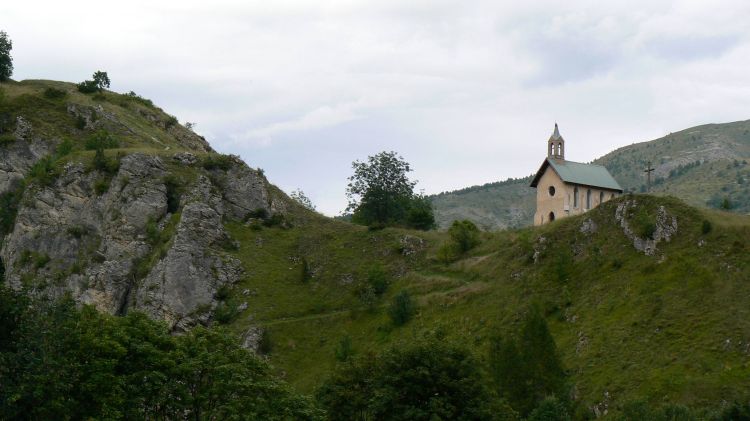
[
  {"x": 428, "y": 379},
  {"x": 101, "y": 79},
  {"x": 300, "y": 197},
  {"x": 381, "y": 194},
  {"x": 402, "y": 308},
  {"x": 550, "y": 409},
  {"x": 6, "y": 61},
  {"x": 527, "y": 366},
  {"x": 464, "y": 234},
  {"x": 98, "y": 84}
]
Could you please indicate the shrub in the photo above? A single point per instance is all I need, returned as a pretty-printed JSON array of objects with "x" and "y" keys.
[
  {"x": 87, "y": 87},
  {"x": 76, "y": 231},
  {"x": 9, "y": 202},
  {"x": 377, "y": 279},
  {"x": 106, "y": 165},
  {"x": 170, "y": 122},
  {"x": 217, "y": 162},
  {"x": 6, "y": 139},
  {"x": 275, "y": 220},
  {"x": 80, "y": 122},
  {"x": 102, "y": 139},
  {"x": 550, "y": 409},
  {"x": 54, "y": 93},
  {"x": 423, "y": 380},
  {"x": 44, "y": 171},
  {"x": 225, "y": 313},
  {"x": 464, "y": 234},
  {"x": 447, "y": 253},
  {"x": 259, "y": 213},
  {"x": 402, "y": 308},
  {"x": 706, "y": 226},
  {"x": 173, "y": 192},
  {"x": 101, "y": 185},
  {"x": 305, "y": 273},
  {"x": 64, "y": 148},
  {"x": 344, "y": 350},
  {"x": 132, "y": 96}
]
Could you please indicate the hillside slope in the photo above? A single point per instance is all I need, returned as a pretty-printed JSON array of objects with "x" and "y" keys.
[
  {"x": 704, "y": 165},
  {"x": 663, "y": 320},
  {"x": 106, "y": 198},
  {"x": 110, "y": 199}
]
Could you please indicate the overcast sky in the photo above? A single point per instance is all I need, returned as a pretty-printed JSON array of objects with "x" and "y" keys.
[{"x": 467, "y": 91}]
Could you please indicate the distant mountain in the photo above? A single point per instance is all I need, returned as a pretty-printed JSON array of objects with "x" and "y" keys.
[{"x": 706, "y": 166}]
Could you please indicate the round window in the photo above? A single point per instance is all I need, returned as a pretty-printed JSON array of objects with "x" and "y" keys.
[{"x": 551, "y": 190}]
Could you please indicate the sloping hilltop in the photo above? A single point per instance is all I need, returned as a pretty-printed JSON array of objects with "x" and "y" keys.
[
  {"x": 663, "y": 320},
  {"x": 108, "y": 199},
  {"x": 707, "y": 166}
]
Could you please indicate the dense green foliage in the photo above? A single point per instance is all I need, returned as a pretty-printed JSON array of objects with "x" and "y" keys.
[
  {"x": 526, "y": 365},
  {"x": 402, "y": 308},
  {"x": 381, "y": 194},
  {"x": 99, "y": 81},
  {"x": 6, "y": 61},
  {"x": 57, "y": 362},
  {"x": 428, "y": 379}
]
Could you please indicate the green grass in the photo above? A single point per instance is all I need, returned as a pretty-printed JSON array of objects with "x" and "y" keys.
[{"x": 652, "y": 327}]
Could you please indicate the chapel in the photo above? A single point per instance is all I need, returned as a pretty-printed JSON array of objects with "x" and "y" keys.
[{"x": 565, "y": 188}]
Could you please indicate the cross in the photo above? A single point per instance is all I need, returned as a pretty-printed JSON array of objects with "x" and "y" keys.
[{"x": 648, "y": 176}]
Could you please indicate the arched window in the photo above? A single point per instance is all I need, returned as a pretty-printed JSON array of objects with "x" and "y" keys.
[
  {"x": 588, "y": 199},
  {"x": 601, "y": 197},
  {"x": 575, "y": 197},
  {"x": 551, "y": 216},
  {"x": 551, "y": 149},
  {"x": 551, "y": 190}
]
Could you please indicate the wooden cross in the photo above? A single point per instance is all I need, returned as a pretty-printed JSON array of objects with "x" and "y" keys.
[{"x": 648, "y": 176}]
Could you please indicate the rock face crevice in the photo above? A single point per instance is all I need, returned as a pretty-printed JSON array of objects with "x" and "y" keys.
[
  {"x": 665, "y": 227},
  {"x": 69, "y": 237}
]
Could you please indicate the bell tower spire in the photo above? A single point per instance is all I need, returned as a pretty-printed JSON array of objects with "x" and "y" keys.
[{"x": 556, "y": 145}]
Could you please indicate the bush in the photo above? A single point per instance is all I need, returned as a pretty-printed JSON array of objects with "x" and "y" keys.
[
  {"x": 402, "y": 308},
  {"x": 420, "y": 214},
  {"x": 87, "y": 87},
  {"x": 706, "y": 226},
  {"x": 550, "y": 409},
  {"x": 170, "y": 122},
  {"x": 464, "y": 234},
  {"x": 173, "y": 192},
  {"x": 423, "y": 380},
  {"x": 9, "y": 202},
  {"x": 527, "y": 366},
  {"x": 54, "y": 93},
  {"x": 217, "y": 162},
  {"x": 102, "y": 139},
  {"x": 378, "y": 279},
  {"x": 447, "y": 253},
  {"x": 44, "y": 172},
  {"x": 225, "y": 313},
  {"x": 132, "y": 96},
  {"x": 275, "y": 220},
  {"x": 101, "y": 185},
  {"x": 344, "y": 350}
]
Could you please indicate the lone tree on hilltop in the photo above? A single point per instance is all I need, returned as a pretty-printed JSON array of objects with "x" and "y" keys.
[
  {"x": 98, "y": 84},
  {"x": 6, "y": 61},
  {"x": 381, "y": 194},
  {"x": 101, "y": 79}
]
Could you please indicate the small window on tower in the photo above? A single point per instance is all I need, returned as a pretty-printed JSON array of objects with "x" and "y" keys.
[{"x": 551, "y": 190}]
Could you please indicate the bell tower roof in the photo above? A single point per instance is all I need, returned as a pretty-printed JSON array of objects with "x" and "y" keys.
[
  {"x": 555, "y": 134},
  {"x": 556, "y": 145}
]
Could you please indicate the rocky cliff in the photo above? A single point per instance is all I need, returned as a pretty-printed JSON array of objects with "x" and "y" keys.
[{"x": 135, "y": 221}]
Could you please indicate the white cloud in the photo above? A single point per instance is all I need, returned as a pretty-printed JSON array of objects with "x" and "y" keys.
[{"x": 466, "y": 90}]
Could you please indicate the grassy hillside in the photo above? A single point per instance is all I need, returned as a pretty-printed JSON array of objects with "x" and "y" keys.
[
  {"x": 703, "y": 165},
  {"x": 57, "y": 111},
  {"x": 672, "y": 327}
]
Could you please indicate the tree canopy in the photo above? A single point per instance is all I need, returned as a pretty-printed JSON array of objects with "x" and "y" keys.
[
  {"x": 58, "y": 362},
  {"x": 6, "y": 61},
  {"x": 380, "y": 193},
  {"x": 429, "y": 379}
]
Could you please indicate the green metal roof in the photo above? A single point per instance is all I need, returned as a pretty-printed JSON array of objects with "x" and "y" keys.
[{"x": 577, "y": 173}]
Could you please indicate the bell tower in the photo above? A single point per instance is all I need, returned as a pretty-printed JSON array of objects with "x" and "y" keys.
[{"x": 556, "y": 145}]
